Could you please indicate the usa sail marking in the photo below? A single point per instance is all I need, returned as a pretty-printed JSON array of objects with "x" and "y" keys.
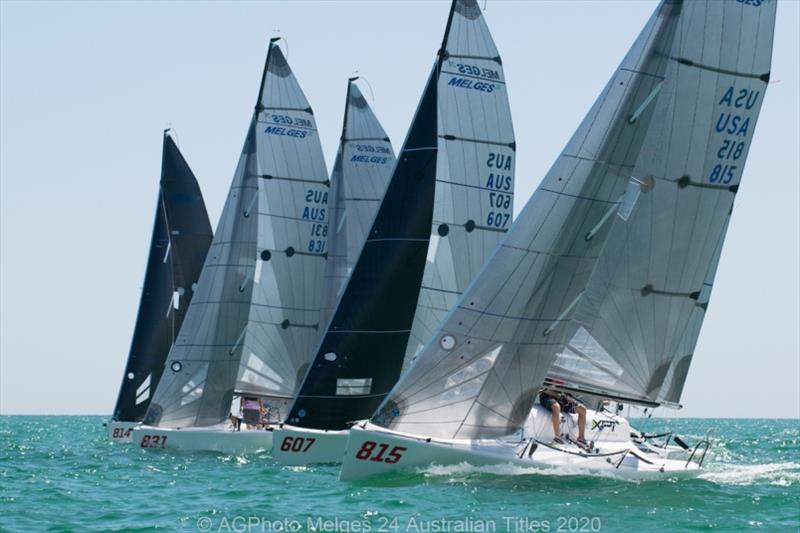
[{"x": 733, "y": 125}]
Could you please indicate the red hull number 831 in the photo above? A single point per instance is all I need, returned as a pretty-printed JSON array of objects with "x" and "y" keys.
[
  {"x": 153, "y": 441},
  {"x": 367, "y": 452}
]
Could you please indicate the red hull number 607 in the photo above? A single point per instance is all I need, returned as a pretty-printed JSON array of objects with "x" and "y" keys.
[{"x": 365, "y": 453}]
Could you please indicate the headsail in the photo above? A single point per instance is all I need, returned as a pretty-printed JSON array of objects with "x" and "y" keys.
[
  {"x": 446, "y": 206},
  {"x": 178, "y": 247},
  {"x": 260, "y": 291},
  {"x": 364, "y": 163},
  {"x": 644, "y": 306},
  {"x": 479, "y": 376}
]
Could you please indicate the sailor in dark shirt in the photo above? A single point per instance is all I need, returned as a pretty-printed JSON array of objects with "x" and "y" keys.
[{"x": 556, "y": 402}]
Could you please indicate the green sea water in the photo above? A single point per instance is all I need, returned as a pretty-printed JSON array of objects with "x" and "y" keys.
[{"x": 60, "y": 474}]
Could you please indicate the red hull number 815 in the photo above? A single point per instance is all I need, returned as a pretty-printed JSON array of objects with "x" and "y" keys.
[{"x": 366, "y": 453}]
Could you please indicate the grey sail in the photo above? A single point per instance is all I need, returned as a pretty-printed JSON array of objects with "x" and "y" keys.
[
  {"x": 363, "y": 166},
  {"x": 639, "y": 320},
  {"x": 479, "y": 375},
  {"x": 257, "y": 305},
  {"x": 474, "y": 168}
]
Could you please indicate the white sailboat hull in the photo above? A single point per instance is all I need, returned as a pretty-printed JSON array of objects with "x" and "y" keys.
[
  {"x": 373, "y": 450},
  {"x": 209, "y": 439},
  {"x": 302, "y": 446},
  {"x": 121, "y": 431}
]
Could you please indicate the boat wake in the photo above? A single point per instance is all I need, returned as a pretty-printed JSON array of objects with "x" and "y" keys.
[
  {"x": 464, "y": 470},
  {"x": 778, "y": 474}
]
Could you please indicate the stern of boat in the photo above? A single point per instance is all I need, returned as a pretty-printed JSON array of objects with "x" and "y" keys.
[{"x": 294, "y": 446}]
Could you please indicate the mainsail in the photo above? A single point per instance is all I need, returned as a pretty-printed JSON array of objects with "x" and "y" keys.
[
  {"x": 255, "y": 317},
  {"x": 474, "y": 168},
  {"x": 446, "y": 206},
  {"x": 363, "y": 166},
  {"x": 178, "y": 247},
  {"x": 479, "y": 376},
  {"x": 640, "y": 317}
]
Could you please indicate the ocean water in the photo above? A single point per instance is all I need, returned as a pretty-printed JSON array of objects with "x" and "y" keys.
[{"x": 60, "y": 474}]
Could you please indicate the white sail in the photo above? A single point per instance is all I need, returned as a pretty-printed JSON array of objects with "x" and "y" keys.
[
  {"x": 255, "y": 315},
  {"x": 474, "y": 168},
  {"x": 645, "y": 303},
  {"x": 364, "y": 162},
  {"x": 480, "y": 374}
]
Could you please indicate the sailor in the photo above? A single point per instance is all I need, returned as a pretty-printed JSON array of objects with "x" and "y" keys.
[{"x": 556, "y": 402}]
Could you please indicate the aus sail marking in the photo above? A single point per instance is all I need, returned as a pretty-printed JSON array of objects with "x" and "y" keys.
[
  {"x": 732, "y": 127},
  {"x": 316, "y": 211},
  {"x": 499, "y": 184}
]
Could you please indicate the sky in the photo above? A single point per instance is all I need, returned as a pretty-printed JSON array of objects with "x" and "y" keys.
[{"x": 86, "y": 89}]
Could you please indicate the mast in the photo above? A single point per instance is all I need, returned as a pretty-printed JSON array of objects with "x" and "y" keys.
[{"x": 178, "y": 247}]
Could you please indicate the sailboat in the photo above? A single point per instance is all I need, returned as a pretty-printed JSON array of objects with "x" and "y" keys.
[
  {"x": 252, "y": 325},
  {"x": 178, "y": 247},
  {"x": 449, "y": 201},
  {"x": 609, "y": 265}
]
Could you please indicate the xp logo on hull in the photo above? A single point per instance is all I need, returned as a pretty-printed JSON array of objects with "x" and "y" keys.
[{"x": 603, "y": 424}]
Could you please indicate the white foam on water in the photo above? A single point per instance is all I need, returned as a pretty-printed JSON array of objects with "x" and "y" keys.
[
  {"x": 780, "y": 474},
  {"x": 509, "y": 469}
]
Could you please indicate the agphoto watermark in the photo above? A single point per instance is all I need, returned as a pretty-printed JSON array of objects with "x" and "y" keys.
[{"x": 397, "y": 524}]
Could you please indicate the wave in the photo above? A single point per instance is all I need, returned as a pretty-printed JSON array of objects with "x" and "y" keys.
[{"x": 780, "y": 474}]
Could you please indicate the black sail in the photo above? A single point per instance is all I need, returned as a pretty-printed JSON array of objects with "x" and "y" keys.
[
  {"x": 361, "y": 355},
  {"x": 178, "y": 248}
]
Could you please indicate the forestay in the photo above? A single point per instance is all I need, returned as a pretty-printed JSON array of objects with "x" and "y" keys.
[
  {"x": 447, "y": 203},
  {"x": 260, "y": 292},
  {"x": 639, "y": 320},
  {"x": 364, "y": 163},
  {"x": 178, "y": 247},
  {"x": 479, "y": 376}
]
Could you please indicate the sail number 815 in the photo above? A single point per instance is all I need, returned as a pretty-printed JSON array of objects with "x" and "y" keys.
[{"x": 367, "y": 452}]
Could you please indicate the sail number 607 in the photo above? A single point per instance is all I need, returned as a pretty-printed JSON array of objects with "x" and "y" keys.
[{"x": 367, "y": 452}]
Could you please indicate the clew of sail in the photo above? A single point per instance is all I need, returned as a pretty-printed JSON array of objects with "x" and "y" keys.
[
  {"x": 256, "y": 311},
  {"x": 363, "y": 166},
  {"x": 645, "y": 303},
  {"x": 180, "y": 241},
  {"x": 479, "y": 376},
  {"x": 431, "y": 229}
]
